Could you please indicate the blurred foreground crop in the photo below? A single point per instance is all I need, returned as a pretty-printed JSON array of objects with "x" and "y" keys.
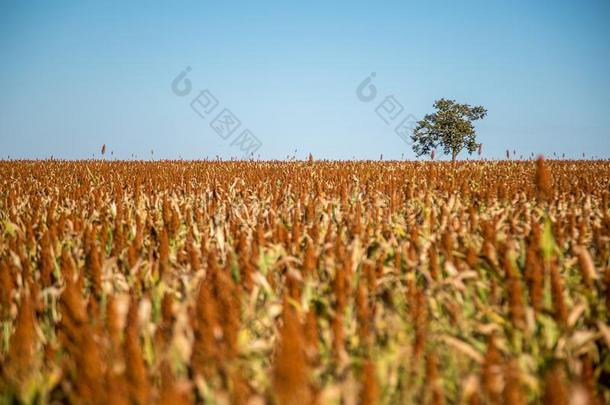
[{"x": 304, "y": 282}]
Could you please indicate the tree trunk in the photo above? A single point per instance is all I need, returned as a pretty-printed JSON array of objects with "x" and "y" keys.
[{"x": 454, "y": 154}]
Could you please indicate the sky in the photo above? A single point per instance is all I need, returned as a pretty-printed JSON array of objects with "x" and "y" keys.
[{"x": 277, "y": 80}]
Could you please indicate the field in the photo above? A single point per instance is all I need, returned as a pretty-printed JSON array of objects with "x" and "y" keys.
[{"x": 305, "y": 282}]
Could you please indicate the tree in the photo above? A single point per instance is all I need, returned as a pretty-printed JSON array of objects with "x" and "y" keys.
[{"x": 450, "y": 127}]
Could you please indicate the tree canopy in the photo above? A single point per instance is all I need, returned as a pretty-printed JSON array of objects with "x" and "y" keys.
[{"x": 450, "y": 127}]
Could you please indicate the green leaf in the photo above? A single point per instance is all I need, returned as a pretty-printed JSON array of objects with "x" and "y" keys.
[{"x": 548, "y": 240}]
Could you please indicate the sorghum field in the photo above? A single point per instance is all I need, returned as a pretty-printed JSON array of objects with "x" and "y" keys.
[{"x": 305, "y": 282}]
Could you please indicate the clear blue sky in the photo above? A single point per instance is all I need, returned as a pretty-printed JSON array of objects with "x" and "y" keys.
[{"x": 75, "y": 76}]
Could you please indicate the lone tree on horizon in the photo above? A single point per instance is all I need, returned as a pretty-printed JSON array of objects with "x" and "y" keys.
[{"x": 450, "y": 127}]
